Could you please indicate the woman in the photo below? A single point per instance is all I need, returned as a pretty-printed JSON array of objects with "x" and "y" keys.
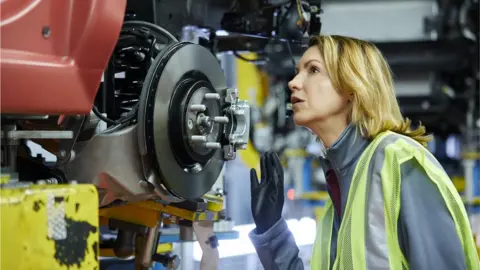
[{"x": 391, "y": 205}]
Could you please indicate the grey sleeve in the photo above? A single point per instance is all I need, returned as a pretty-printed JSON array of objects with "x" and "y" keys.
[
  {"x": 276, "y": 248},
  {"x": 426, "y": 229}
]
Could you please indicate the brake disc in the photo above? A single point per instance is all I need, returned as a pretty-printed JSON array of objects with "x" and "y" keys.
[{"x": 180, "y": 120}]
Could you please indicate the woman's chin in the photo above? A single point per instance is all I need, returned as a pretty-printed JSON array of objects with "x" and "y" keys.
[{"x": 300, "y": 119}]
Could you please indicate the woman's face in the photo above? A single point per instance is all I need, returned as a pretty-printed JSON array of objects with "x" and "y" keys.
[{"x": 313, "y": 98}]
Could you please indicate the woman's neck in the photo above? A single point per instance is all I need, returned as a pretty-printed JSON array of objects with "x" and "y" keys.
[{"x": 329, "y": 133}]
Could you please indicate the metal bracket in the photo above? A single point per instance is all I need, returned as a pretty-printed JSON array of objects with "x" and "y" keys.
[
  {"x": 237, "y": 131},
  {"x": 73, "y": 124},
  {"x": 37, "y": 134}
]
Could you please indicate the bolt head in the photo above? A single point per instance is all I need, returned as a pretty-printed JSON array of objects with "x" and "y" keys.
[{"x": 46, "y": 32}]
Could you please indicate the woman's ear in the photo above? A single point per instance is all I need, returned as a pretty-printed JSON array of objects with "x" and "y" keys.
[{"x": 351, "y": 97}]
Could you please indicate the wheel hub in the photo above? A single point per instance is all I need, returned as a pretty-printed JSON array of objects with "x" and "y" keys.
[
  {"x": 195, "y": 104},
  {"x": 189, "y": 122}
]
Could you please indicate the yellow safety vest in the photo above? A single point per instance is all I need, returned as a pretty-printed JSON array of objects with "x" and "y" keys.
[{"x": 368, "y": 234}]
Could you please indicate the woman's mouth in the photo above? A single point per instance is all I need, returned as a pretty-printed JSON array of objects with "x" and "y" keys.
[{"x": 294, "y": 100}]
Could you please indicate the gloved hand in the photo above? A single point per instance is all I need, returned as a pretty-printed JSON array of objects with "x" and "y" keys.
[{"x": 268, "y": 195}]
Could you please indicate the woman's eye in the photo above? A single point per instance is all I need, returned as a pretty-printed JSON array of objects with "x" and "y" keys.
[{"x": 314, "y": 70}]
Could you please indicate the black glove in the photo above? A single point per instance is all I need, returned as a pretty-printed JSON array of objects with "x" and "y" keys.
[{"x": 268, "y": 195}]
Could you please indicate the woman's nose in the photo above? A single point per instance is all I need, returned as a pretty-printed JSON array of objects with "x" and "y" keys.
[{"x": 295, "y": 84}]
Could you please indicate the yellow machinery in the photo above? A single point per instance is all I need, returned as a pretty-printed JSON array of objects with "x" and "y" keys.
[
  {"x": 49, "y": 226},
  {"x": 252, "y": 87},
  {"x": 57, "y": 226},
  {"x": 141, "y": 221}
]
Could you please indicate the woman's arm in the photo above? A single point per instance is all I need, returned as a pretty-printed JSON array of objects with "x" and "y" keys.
[
  {"x": 276, "y": 248},
  {"x": 426, "y": 229}
]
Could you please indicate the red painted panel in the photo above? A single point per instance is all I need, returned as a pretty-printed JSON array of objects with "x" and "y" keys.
[{"x": 57, "y": 72}]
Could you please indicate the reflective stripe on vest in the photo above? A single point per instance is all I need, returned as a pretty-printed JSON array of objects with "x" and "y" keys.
[{"x": 368, "y": 237}]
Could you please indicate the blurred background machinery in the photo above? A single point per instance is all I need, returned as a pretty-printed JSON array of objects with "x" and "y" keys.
[
  {"x": 433, "y": 50},
  {"x": 128, "y": 111}
]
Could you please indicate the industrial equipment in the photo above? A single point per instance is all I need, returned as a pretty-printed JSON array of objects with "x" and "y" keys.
[{"x": 139, "y": 120}]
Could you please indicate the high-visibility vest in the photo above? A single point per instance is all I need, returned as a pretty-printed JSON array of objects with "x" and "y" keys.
[{"x": 368, "y": 235}]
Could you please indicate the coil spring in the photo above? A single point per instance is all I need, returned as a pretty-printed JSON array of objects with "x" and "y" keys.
[
  {"x": 138, "y": 45},
  {"x": 132, "y": 57}
]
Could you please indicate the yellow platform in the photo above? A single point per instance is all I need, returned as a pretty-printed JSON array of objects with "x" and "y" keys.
[
  {"x": 147, "y": 213},
  {"x": 49, "y": 227}
]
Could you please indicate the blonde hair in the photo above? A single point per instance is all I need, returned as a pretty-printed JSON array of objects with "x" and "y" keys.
[{"x": 358, "y": 69}]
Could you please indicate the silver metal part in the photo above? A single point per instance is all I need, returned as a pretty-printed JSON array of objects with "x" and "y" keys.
[
  {"x": 231, "y": 95},
  {"x": 50, "y": 181},
  {"x": 198, "y": 138},
  {"x": 74, "y": 124},
  {"x": 10, "y": 142},
  {"x": 204, "y": 124},
  {"x": 37, "y": 134},
  {"x": 212, "y": 96},
  {"x": 151, "y": 242},
  {"x": 198, "y": 108},
  {"x": 220, "y": 119},
  {"x": 237, "y": 112},
  {"x": 213, "y": 145},
  {"x": 25, "y": 117},
  {"x": 112, "y": 162}
]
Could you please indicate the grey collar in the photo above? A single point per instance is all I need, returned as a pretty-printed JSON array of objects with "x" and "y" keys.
[{"x": 346, "y": 149}]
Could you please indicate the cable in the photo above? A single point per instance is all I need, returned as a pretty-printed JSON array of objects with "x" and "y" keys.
[
  {"x": 102, "y": 117},
  {"x": 151, "y": 26},
  {"x": 127, "y": 118}
]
